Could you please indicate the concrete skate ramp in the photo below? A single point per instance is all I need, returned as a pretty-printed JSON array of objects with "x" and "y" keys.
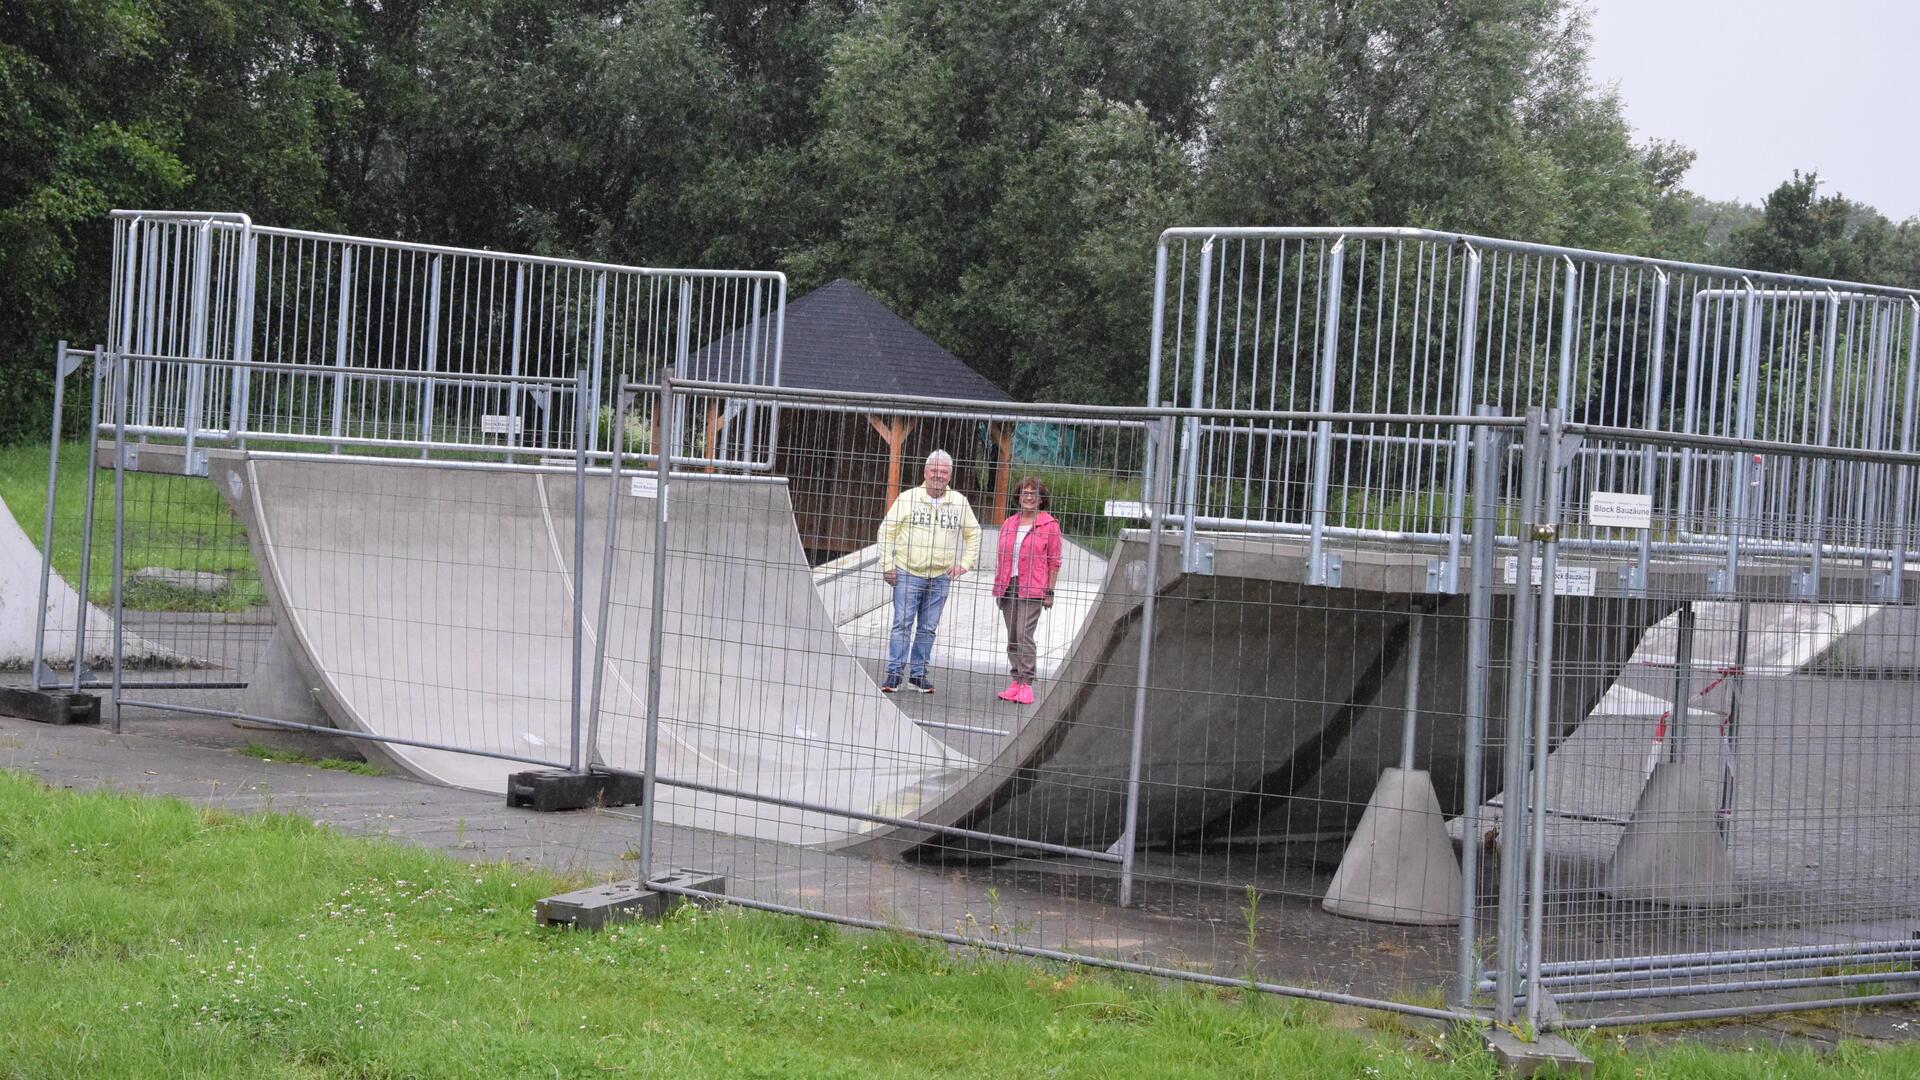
[
  {"x": 1596, "y": 774},
  {"x": 433, "y": 604}
]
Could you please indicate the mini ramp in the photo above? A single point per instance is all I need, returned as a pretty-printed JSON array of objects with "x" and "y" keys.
[{"x": 430, "y": 603}]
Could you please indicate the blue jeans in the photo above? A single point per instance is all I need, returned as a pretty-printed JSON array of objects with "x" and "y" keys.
[{"x": 916, "y": 600}]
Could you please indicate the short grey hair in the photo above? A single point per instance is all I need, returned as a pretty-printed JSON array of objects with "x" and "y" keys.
[{"x": 940, "y": 457}]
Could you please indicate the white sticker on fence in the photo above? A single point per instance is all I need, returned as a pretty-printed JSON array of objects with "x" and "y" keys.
[
  {"x": 1567, "y": 580},
  {"x": 1123, "y": 508},
  {"x": 1620, "y": 510},
  {"x": 499, "y": 424},
  {"x": 644, "y": 487}
]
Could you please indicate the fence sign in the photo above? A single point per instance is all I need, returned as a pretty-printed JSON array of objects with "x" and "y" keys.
[
  {"x": 1567, "y": 580},
  {"x": 1619, "y": 510}
]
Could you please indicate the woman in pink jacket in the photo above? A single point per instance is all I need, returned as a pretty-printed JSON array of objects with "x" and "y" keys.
[{"x": 1023, "y": 580}]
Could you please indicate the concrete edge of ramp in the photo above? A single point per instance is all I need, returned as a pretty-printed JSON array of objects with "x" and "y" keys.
[
  {"x": 240, "y": 489},
  {"x": 20, "y": 566}
]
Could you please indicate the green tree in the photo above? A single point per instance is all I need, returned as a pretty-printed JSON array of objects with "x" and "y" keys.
[
  {"x": 664, "y": 132},
  {"x": 1476, "y": 116},
  {"x": 1801, "y": 231},
  {"x": 1063, "y": 297},
  {"x": 955, "y": 136},
  {"x": 138, "y": 103}
]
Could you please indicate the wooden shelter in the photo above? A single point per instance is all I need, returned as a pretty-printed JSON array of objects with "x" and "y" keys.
[{"x": 846, "y": 465}]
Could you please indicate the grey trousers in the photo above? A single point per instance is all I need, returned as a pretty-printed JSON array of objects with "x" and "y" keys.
[{"x": 1023, "y": 618}]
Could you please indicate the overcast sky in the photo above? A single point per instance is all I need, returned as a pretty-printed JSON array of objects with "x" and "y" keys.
[{"x": 1760, "y": 88}]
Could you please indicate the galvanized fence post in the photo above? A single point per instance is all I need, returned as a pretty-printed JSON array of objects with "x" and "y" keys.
[
  {"x": 1656, "y": 389},
  {"x": 240, "y": 407},
  {"x": 1161, "y": 432},
  {"x": 60, "y": 372},
  {"x": 197, "y": 334},
  {"x": 430, "y": 356},
  {"x": 1323, "y": 433},
  {"x": 1463, "y": 400},
  {"x": 664, "y": 441},
  {"x": 623, "y": 400},
  {"x": 1514, "y": 818},
  {"x": 1488, "y": 446},
  {"x": 119, "y": 538},
  {"x": 514, "y": 360},
  {"x": 1150, "y": 471},
  {"x": 343, "y": 325},
  {"x": 1190, "y": 440},
  {"x": 1903, "y": 482},
  {"x": 597, "y": 354},
  {"x": 100, "y": 357},
  {"x": 576, "y": 757},
  {"x": 1546, "y": 531}
]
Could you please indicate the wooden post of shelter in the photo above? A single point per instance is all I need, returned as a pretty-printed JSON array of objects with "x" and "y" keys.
[
  {"x": 713, "y": 431},
  {"x": 894, "y": 433},
  {"x": 1002, "y": 435},
  {"x": 654, "y": 435}
]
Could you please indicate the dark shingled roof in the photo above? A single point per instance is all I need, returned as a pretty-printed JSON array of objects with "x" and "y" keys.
[{"x": 839, "y": 337}]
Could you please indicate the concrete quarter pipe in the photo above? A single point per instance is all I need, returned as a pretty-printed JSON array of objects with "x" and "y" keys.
[{"x": 434, "y": 604}]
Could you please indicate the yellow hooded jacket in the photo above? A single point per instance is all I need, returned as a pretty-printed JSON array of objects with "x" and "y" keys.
[{"x": 925, "y": 536}]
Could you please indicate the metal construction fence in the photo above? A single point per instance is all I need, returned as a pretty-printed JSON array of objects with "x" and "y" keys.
[
  {"x": 307, "y": 317},
  {"x": 1409, "y": 322},
  {"x": 1462, "y": 704},
  {"x": 238, "y": 336}
]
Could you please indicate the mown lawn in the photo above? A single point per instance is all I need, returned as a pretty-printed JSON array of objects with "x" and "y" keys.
[
  {"x": 172, "y": 522},
  {"x": 143, "y": 937}
]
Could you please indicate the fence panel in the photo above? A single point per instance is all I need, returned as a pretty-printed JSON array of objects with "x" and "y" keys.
[
  {"x": 240, "y": 337},
  {"x": 1735, "y": 830},
  {"x": 332, "y": 309},
  {"x": 1202, "y": 744}
]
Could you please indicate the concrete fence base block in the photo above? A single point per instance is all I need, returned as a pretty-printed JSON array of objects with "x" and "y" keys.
[
  {"x": 1544, "y": 1055},
  {"x": 1672, "y": 851},
  {"x": 1400, "y": 866},
  {"x": 552, "y": 790},
  {"x": 594, "y": 908},
  {"x": 49, "y": 707}
]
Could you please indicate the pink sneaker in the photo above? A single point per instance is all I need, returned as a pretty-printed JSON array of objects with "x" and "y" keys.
[
  {"x": 1011, "y": 693},
  {"x": 1023, "y": 694}
]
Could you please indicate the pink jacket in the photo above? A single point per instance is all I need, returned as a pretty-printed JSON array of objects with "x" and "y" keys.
[{"x": 1039, "y": 557}]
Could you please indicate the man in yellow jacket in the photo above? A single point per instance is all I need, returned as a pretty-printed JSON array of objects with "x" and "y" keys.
[{"x": 928, "y": 538}]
